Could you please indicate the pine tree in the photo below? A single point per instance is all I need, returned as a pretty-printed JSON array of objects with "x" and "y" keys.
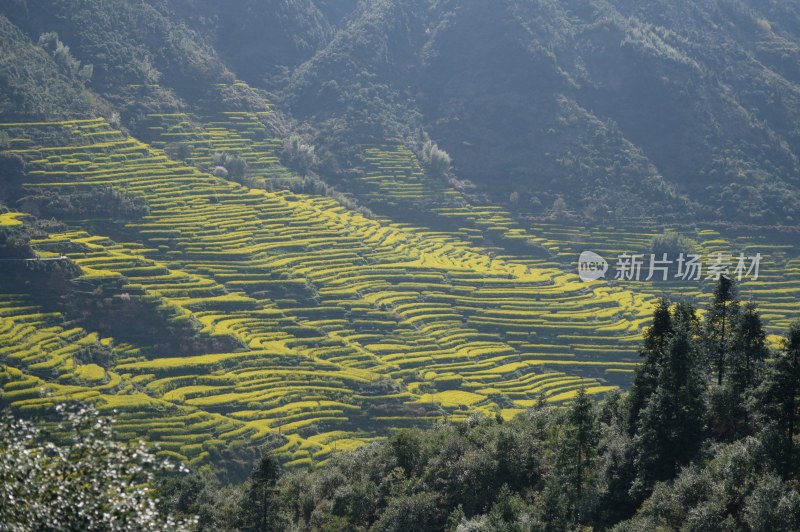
[
  {"x": 582, "y": 421},
  {"x": 656, "y": 339},
  {"x": 720, "y": 319},
  {"x": 748, "y": 351},
  {"x": 746, "y": 348},
  {"x": 670, "y": 428},
  {"x": 779, "y": 399},
  {"x": 574, "y": 445},
  {"x": 259, "y": 513}
]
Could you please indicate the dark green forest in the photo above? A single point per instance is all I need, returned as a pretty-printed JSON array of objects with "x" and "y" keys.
[{"x": 674, "y": 110}]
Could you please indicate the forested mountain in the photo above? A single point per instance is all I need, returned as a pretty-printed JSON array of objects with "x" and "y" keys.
[
  {"x": 673, "y": 109},
  {"x": 33, "y": 82},
  {"x": 615, "y": 105}
]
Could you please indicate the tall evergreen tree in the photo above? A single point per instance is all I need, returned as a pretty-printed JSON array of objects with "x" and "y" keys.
[
  {"x": 729, "y": 418},
  {"x": 259, "y": 513},
  {"x": 670, "y": 428},
  {"x": 719, "y": 321},
  {"x": 656, "y": 340},
  {"x": 779, "y": 399},
  {"x": 582, "y": 422},
  {"x": 565, "y": 500},
  {"x": 749, "y": 350}
]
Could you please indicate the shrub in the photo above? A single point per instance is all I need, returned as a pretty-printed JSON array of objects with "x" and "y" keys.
[
  {"x": 231, "y": 165},
  {"x": 64, "y": 58},
  {"x": 673, "y": 244},
  {"x": 436, "y": 159},
  {"x": 298, "y": 155}
]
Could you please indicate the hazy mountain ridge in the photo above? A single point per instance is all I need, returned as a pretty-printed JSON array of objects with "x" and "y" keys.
[
  {"x": 696, "y": 91},
  {"x": 674, "y": 110}
]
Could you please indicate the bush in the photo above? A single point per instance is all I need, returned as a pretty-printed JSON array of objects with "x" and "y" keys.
[
  {"x": 12, "y": 173},
  {"x": 673, "y": 244},
  {"x": 298, "y": 155},
  {"x": 102, "y": 202},
  {"x": 64, "y": 58},
  {"x": 232, "y": 165},
  {"x": 436, "y": 159}
]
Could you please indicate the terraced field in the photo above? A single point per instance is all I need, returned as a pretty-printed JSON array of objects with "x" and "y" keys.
[
  {"x": 347, "y": 326},
  {"x": 776, "y": 291},
  {"x": 40, "y": 367},
  {"x": 395, "y": 177},
  {"x": 323, "y": 329},
  {"x": 394, "y": 181},
  {"x": 236, "y": 133}
]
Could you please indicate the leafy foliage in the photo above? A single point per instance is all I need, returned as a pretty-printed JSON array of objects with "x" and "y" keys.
[
  {"x": 231, "y": 165},
  {"x": 779, "y": 396},
  {"x": 60, "y": 52},
  {"x": 109, "y": 202},
  {"x": 673, "y": 244},
  {"x": 436, "y": 158},
  {"x": 299, "y": 155},
  {"x": 85, "y": 482},
  {"x": 32, "y": 82}
]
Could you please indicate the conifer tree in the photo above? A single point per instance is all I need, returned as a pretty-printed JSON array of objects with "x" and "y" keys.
[
  {"x": 779, "y": 399},
  {"x": 749, "y": 350},
  {"x": 582, "y": 423},
  {"x": 719, "y": 321},
  {"x": 260, "y": 514},
  {"x": 656, "y": 339},
  {"x": 670, "y": 428}
]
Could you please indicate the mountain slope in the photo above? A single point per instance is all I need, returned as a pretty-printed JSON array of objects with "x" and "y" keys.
[
  {"x": 32, "y": 83},
  {"x": 224, "y": 300},
  {"x": 143, "y": 61},
  {"x": 625, "y": 106},
  {"x": 624, "y": 110}
]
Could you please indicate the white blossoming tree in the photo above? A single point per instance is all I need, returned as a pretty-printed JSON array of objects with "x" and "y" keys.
[{"x": 77, "y": 478}]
